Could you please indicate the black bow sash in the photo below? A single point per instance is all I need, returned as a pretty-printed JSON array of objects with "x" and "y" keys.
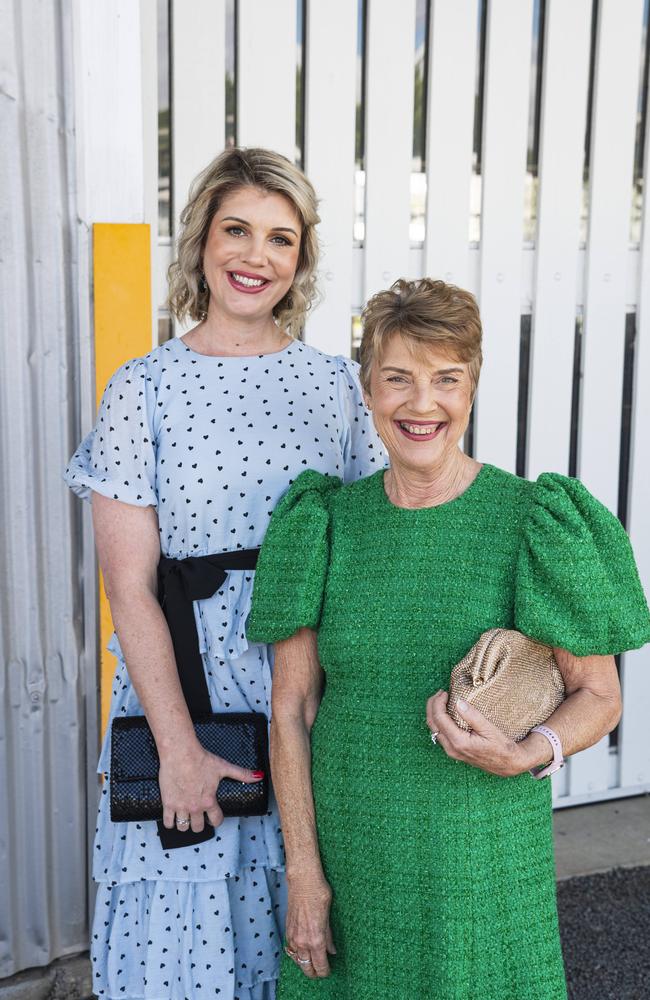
[{"x": 180, "y": 582}]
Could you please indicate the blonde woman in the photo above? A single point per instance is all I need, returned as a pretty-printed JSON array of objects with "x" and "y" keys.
[{"x": 193, "y": 446}]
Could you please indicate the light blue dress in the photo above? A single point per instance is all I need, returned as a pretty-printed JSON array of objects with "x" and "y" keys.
[{"x": 212, "y": 443}]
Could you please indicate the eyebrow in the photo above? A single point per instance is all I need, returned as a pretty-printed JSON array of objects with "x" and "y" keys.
[
  {"x": 407, "y": 371},
  {"x": 274, "y": 229}
]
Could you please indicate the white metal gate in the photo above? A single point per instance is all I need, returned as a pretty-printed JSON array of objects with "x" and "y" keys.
[{"x": 527, "y": 189}]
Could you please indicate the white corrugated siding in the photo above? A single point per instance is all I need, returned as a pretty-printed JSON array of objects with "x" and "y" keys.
[{"x": 47, "y": 629}]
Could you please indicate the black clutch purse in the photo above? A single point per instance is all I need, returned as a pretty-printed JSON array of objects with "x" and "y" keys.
[{"x": 239, "y": 737}]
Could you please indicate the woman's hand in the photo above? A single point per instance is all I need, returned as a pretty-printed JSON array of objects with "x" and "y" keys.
[
  {"x": 188, "y": 786},
  {"x": 485, "y": 746},
  {"x": 308, "y": 933}
]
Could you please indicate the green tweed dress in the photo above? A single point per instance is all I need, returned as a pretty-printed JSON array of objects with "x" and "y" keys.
[{"x": 443, "y": 875}]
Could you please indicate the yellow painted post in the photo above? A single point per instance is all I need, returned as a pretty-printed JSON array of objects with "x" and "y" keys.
[{"x": 123, "y": 330}]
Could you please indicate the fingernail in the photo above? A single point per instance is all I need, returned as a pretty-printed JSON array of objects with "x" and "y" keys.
[
  {"x": 258, "y": 775},
  {"x": 462, "y": 705}
]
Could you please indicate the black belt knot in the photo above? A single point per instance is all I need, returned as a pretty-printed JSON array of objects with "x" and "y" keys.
[{"x": 180, "y": 582}]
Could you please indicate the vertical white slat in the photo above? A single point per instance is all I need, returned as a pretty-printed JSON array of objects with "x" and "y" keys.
[
  {"x": 505, "y": 125},
  {"x": 266, "y": 75},
  {"x": 612, "y": 156},
  {"x": 198, "y": 66},
  {"x": 149, "y": 63},
  {"x": 565, "y": 82},
  {"x": 453, "y": 33},
  {"x": 589, "y": 771},
  {"x": 109, "y": 117},
  {"x": 634, "y": 745},
  {"x": 390, "y": 74},
  {"x": 330, "y": 111}
]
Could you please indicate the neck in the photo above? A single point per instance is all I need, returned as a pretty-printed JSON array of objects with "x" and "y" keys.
[
  {"x": 431, "y": 487},
  {"x": 233, "y": 336}
]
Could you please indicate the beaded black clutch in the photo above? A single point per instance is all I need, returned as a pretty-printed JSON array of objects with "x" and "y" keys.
[{"x": 239, "y": 737}]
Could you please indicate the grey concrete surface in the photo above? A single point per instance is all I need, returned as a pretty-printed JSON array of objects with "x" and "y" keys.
[
  {"x": 599, "y": 837},
  {"x": 66, "y": 979}
]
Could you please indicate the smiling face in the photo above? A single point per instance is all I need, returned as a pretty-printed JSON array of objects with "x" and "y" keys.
[
  {"x": 420, "y": 401},
  {"x": 251, "y": 253}
]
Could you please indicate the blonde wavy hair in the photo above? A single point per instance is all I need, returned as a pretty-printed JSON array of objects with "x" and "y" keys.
[
  {"x": 427, "y": 313},
  {"x": 231, "y": 170}
]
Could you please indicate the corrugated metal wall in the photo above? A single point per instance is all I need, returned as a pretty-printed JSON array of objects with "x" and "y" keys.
[{"x": 48, "y": 620}]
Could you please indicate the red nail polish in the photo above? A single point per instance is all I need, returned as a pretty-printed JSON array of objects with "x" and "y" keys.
[{"x": 258, "y": 774}]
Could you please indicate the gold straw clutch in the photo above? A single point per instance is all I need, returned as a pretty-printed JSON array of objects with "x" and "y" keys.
[{"x": 512, "y": 680}]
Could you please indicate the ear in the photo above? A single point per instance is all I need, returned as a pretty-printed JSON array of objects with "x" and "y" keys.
[{"x": 367, "y": 398}]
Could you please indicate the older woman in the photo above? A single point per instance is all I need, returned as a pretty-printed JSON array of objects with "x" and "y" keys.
[
  {"x": 439, "y": 857},
  {"x": 193, "y": 446}
]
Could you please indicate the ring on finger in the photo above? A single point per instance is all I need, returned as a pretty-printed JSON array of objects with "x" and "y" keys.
[
  {"x": 434, "y": 736},
  {"x": 303, "y": 961},
  {"x": 182, "y": 821},
  {"x": 289, "y": 952}
]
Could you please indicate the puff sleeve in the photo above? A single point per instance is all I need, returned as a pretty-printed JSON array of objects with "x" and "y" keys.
[
  {"x": 292, "y": 566},
  {"x": 363, "y": 452},
  {"x": 117, "y": 458},
  {"x": 577, "y": 585}
]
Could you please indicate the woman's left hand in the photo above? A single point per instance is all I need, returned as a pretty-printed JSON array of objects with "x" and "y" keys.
[{"x": 485, "y": 746}]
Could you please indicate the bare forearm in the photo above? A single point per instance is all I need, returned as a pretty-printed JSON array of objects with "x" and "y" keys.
[
  {"x": 580, "y": 721},
  {"x": 291, "y": 770},
  {"x": 148, "y": 652},
  {"x": 297, "y": 685}
]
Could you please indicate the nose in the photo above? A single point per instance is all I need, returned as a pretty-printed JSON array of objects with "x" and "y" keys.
[
  {"x": 255, "y": 253},
  {"x": 423, "y": 399}
]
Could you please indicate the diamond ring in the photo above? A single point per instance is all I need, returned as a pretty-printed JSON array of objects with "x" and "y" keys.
[{"x": 434, "y": 737}]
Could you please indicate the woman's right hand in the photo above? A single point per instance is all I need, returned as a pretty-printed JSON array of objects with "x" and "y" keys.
[
  {"x": 188, "y": 781},
  {"x": 308, "y": 934}
]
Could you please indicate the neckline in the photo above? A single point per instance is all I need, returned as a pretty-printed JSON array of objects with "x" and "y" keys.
[
  {"x": 223, "y": 358},
  {"x": 478, "y": 479}
]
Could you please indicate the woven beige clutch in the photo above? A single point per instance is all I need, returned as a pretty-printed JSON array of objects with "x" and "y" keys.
[{"x": 512, "y": 680}]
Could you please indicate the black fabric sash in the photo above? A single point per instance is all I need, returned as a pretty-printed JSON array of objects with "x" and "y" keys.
[{"x": 180, "y": 582}]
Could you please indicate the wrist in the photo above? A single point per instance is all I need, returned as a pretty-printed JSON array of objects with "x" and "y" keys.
[
  {"x": 533, "y": 751},
  {"x": 181, "y": 747},
  {"x": 308, "y": 873}
]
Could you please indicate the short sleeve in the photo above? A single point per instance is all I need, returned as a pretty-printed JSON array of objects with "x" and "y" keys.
[
  {"x": 292, "y": 566},
  {"x": 117, "y": 458},
  {"x": 577, "y": 585},
  {"x": 363, "y": 452}
]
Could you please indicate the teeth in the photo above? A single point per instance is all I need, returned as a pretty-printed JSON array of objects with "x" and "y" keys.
[
  {"x": 248, "y": 282},
  {"x": 418, "y": 429}
]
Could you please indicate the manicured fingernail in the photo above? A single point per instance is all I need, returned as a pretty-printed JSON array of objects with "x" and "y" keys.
[
  {"x": 462, "y": 705},
  {"x": 258, "y": 775}
]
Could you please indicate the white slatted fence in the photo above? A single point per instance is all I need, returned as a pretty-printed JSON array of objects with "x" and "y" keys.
[{"x": 550, "y": 416}]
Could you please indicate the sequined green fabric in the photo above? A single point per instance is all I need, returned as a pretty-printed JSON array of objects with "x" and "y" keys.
[{"x": 443, "y": 876}]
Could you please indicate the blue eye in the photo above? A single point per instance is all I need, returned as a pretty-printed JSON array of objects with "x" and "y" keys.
[
  {"x": 235, "y": 231},
  {"x": 283, "y": 241}
]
